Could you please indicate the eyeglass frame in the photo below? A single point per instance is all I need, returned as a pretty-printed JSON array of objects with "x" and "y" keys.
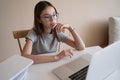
[{"x": 50, "y": 17}]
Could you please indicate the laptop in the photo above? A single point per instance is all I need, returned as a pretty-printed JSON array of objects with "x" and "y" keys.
[
  {"x": 15, "y": 68},
  {"x": 103, "y": 65}
]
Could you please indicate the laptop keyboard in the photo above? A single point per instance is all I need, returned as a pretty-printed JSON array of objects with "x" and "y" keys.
[{"x": 80, "y": 75}]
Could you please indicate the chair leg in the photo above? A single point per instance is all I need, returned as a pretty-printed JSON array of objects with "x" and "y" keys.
[{"x": 19, "y": 45}]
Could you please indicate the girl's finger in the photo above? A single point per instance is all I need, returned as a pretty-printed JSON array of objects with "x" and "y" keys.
[{"x": 70, "y": 55}]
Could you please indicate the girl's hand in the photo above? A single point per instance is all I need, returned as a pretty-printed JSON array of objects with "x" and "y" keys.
[
  {"x": 64, "y": 53},
  {"x": 60, "y": 27}
]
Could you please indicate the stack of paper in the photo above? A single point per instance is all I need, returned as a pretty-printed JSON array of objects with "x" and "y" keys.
[{"x": 15, "y": 68}]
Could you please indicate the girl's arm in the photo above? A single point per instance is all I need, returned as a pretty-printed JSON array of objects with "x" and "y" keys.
[
  {"x": 77, "y": 43},
  {"x": 42, "y": 59}
]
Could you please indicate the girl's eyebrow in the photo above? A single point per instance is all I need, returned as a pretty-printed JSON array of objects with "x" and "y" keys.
[
  {"x": 50, "y": 14},
  {"x": 46, "y": 14}
]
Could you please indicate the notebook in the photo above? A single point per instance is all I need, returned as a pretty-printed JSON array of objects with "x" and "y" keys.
[
  {"x": 15, "y": 68},
  {"x": 103, "y": 65}
]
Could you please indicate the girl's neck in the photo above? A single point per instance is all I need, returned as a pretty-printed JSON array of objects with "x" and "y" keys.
[{"x": 47, "y": 30}]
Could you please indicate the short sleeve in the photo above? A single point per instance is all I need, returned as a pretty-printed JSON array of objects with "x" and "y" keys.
[
  {"x": 62, "y": 36},
  {"x": 31, "y": 35}
]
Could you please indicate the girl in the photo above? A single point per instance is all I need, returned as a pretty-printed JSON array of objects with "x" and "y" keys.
[{"x": 46, "y": 34}]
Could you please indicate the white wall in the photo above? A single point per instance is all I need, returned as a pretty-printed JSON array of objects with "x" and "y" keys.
[{"x": 87, "y": 16}]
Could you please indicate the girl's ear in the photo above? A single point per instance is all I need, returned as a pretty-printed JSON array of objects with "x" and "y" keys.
[{"x": 39, "y": 20}]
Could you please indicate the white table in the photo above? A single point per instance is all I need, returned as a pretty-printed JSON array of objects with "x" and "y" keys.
[{"x": 44, "y": 71}]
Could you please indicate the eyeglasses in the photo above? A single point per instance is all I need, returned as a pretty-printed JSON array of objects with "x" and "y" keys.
[{"x": 50, "y": 17}]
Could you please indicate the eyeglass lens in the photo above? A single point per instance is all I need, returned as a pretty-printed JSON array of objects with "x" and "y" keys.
[{"x": 49, "y": 17}]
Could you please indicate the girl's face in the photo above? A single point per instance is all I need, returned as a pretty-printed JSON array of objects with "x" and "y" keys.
[{"x": 48, "y": 17}]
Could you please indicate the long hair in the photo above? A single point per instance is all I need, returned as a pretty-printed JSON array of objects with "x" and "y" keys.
[{"x": 38, "y": 27}]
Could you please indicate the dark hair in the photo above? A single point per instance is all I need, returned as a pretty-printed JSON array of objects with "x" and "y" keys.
[{"x": 40, "y": 6}]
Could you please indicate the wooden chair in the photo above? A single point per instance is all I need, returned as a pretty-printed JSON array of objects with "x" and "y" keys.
[
  {"x": 18, "y": 35},
  {"x": 22, "y": 34}
]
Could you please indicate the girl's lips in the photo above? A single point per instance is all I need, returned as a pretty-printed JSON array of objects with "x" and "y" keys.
[{"x": 53, "y": 25}]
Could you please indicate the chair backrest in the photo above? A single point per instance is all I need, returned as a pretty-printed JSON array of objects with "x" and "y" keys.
[
  {"x": 18, "y": 35},
  {"x": 22, "y": 34}
]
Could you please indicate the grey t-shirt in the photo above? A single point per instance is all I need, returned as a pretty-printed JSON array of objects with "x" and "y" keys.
[{"x": 43, "y": 45}]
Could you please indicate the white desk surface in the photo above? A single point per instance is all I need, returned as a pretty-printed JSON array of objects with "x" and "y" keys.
[{"x": 44, "y": 71}]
